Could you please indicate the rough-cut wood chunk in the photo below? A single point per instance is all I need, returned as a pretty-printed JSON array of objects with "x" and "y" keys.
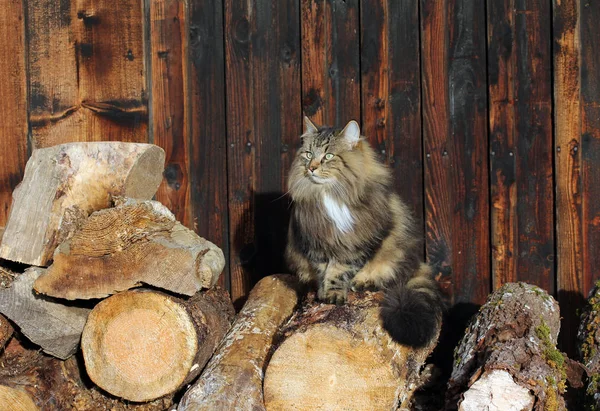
[
  {"x": 54, "y": 384},
  {"x": 142, "y": 345},
  {"x": 589, "y": 345},
  {"x": 65, "y": 183},
  {"x": 120, "y": 248},
  {"x": 6, "y": 331},
  {"x": 510, "y": 345},
  {"x": 340, "y": 357},
  {"x": 17, "y": 399},
  {"x": 233, "y": 378},
  {"x": 54, "y": 327}
]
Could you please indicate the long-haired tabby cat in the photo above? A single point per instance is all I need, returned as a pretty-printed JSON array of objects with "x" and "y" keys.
[{"x": 349, "y": 230}]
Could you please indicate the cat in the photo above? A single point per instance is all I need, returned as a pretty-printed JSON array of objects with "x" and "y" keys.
[{"x": 349, "y": 230}]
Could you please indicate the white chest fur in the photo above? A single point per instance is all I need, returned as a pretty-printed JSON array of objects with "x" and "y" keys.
[{"x": 339, "y": 214}]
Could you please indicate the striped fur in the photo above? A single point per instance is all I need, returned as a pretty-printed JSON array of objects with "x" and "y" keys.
[{"x": 350, "y": 230}]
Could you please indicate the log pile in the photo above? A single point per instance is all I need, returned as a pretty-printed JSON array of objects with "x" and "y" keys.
[
  {"x": 82, "y": 219},
  {"x": 111, "y": 303}
]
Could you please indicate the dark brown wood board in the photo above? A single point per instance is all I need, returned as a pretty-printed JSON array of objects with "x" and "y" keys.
[
  {"x": 262, "y": 49},
  {"x": 567, "y": 123},
  {"x": 520, "y": 104},
  {"x": 167, "y": 69},
  {"x": 13, "y": 103},
  {"x": 86, "y": 71},
  {"x": 207, "y": 123},
  {"x": 330, "y": 61},
  {"x": 455, "y": 145},
  {"x": 391, "y": 92}
]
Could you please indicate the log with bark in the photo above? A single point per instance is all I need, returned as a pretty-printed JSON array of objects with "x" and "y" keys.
[
  {"x": 589, "y": 346},
  {"x": 340, "y": 357},
  {"x": 141, "y": 345},
  {"x": 55, "y": 327},
  {"x": 233, "y": 378},
  {"x": 45, "y": 383},
  {"x": 63, "y": 184},
  {"x": 133, "y": 243},
  {"x": 508, "y": 358}
]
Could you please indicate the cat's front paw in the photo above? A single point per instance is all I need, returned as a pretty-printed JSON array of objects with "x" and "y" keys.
[
  {"x": 337, "y": 296},
  {"x": 361, "y": 284}
]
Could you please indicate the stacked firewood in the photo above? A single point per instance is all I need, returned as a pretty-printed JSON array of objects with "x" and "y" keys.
[{"x": 108, "y": 302}]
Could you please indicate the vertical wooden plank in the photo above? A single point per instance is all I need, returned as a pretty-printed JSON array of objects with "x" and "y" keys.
[
  {"x": 391, "y": 91},
  {"x": 111, "y": 68},
  {"x": 263, "y": 126},
  {"x": 167, "y": 60},
  {"x": 589, "y": 14},
  {"x": 207, "y": 122},
  {"x": 455, "y": 141},
  {"x": 13, "y": 103},
  {"x": 86, "y": 71},
  {"x": 572, "y": 286},
  {"x": 521, "y": 142},
  {"x": 330, "y": 61},
  {"x": 54, "y": 106}
]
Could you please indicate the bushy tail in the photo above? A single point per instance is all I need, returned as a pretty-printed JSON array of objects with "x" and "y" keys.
[{"x": 412, "y": 311}]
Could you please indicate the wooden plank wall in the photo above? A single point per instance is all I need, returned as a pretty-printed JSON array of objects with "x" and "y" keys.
[{"x": 488, "y": 113}]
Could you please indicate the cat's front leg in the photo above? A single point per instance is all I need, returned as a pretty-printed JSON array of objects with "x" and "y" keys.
[{"x": 333, "y": 287}]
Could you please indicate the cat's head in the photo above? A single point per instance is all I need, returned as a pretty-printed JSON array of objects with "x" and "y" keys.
[{"x": 329, "y": 159}]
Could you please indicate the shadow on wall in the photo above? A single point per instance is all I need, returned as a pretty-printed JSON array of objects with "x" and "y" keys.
[{"x": 262, "y": 253}]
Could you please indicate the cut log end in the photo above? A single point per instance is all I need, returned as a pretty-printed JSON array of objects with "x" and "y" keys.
[
  {"x": 139, "y": 345},
  {"x": 332, "y": 370},
  {"x": 497, "y": 391},
  {"x": 17, "y": 399},
  {"x": 340, "y": 357}
]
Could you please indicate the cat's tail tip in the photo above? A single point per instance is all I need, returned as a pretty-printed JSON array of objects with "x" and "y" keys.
[{"x": 412, "y": 313}]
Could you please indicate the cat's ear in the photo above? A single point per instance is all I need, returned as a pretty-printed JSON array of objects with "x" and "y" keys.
[
  {"x": 351, "y": 133},
  {"x": 309, "y": 126}
]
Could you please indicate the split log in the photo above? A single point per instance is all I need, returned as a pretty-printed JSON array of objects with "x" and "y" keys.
[
  {"x": 589, "y": 346},
  {"x": 50, "y": 384},
  {"x": 340, "y": 357},
  {"x": 233, "y": 378},
  {"x": 508, "y": 358},
  {"x": 133, "y": 243},
  {"x": 55, "y": 327},
  {"x": 142, "y": 345},
  {"x": 63, "y": 184}
]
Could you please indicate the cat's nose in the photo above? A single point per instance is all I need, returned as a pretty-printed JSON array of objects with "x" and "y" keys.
[{"x": 313, "y": 166}]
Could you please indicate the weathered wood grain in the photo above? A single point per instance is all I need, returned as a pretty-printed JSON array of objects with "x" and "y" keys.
[
  {"x": 208, "y": 126},
  {"x": 391, "y": 92},
  {"x": 55, "y": 327},
  {"x": 168, "y": 85},
  {"x": 330, "y": 61},
  {"x": 136, "y": 242},
  {"x": 520, "y": 100},
  {"x": 589, "y": 16},
  {"x": 86, "y": 71},
  {"x": 13, "y": 103},
  {"x": 455, "y": 144},
  {"x": 263, "y": 127},
  {"x": 571, "y": 284}
]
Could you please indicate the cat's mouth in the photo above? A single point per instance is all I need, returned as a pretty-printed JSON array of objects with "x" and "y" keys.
[{"x": 318, "y": 179}]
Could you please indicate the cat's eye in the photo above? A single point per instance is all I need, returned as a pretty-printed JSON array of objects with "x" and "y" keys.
[
  {"x": 328, "y": 156},
  {"x": 309, "y": 155}
]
